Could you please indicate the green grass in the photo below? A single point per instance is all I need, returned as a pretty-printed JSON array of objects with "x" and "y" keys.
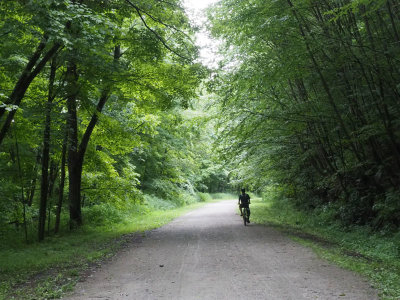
[
  {"x": 49, "y": 269},
  {"x": 374, "y": 255},
  {"x": 223, "y": 196}
]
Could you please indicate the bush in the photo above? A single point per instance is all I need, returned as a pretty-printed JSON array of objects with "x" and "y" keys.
[
  {"x": 223, "y": 196},
  {"x": 187, "y": 198},
  {"x": 102, "y": 214},
  {"x": 156, "y": 203},
  {"x": 175, "y": 200},
  {"x": 164, "y": 189},
  {"x": 204, "y": 197}
]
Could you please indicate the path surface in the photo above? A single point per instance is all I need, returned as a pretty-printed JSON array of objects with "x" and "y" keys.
[{"x": 209, "y": 254}]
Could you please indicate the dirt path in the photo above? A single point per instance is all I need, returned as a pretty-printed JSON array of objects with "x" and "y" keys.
[{"x": 209, "y": 254}]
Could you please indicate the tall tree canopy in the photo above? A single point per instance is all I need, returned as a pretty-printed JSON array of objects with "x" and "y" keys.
[
  {"x": 309, "y": 93},
  {"x": 91, "y": 96}
]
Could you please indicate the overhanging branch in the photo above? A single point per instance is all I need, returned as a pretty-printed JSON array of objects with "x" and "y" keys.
[{"x": 139, "y": 12}]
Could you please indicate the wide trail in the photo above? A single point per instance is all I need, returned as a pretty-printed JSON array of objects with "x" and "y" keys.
[{"x": 209, "y": 254}]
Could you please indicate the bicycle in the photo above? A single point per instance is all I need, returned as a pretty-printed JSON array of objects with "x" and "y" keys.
[{"x": 246, "y": 215}]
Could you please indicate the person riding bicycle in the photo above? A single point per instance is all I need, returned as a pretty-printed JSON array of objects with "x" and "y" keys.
[{"x": 244, "y": 201}]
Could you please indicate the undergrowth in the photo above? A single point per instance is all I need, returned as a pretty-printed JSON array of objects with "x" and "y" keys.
[
  {"x": 373, "y": 254},
  {"x": 223, "y": 196},
  {"x": 48, "y": 269}
]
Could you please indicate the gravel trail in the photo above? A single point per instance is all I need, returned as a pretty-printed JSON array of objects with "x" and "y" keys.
[{"x": 209, "y": 254}]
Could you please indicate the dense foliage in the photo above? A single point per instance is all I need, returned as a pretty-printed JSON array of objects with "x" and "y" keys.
[
  {"x": 309, "y": 93},
  {"x": 95, "y": 111}
]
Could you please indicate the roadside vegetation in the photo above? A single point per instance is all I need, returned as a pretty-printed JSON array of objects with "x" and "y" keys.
[
  {"x": 307, "y": 97},
  {"x": 98, "y": 113},
  {"x": 373, "y": 254},
  {"x": 51, "y": 268}
]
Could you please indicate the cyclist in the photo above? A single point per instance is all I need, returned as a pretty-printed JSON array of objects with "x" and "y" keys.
[{"x": 244, "y": 201}]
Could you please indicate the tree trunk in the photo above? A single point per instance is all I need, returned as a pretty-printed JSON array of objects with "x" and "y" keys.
[
  {"x": 325, "y": 84},
  {"x": 46, "y": 155},
  {"x": 61, "y": 186},
  {"x": 32, "y": 189},
  {"x": 24, "y": 82},
  {"x": 76, "y": 154},
  {"x": 52, "y": 180},
  {"x": 22, "y": 187},
  {"x": 25, "y": 74},
  {"x": 74, "y": 166},
  {"x": 75, "y": 179}
]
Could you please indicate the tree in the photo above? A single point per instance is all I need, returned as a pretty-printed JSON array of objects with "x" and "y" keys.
[
  {"x": 112, "y": 58},
  {"x": 309, "y": 96}
]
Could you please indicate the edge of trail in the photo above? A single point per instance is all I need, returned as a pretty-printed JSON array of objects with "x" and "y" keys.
[{"x": 208, "y": 254}]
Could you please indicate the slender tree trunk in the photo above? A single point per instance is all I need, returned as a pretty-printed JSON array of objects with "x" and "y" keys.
[
  {"x": 392, "y": 20},
  {"x": 24, "y": 82},
  {"x": 325, "y": 84},
  {"x": 46, "y": 154},
  {"x": 24, "y": 76},
  {"x": 32, "y": 189},
  {"x": 52, "y": 180},
  {"x": 61, "y": 186},
  {"x": 22, "y": 188},
  {"x": 389, "y": 119}
]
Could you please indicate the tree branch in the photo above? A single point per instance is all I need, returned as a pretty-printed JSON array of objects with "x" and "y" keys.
[{"x": 138, "y": 10}]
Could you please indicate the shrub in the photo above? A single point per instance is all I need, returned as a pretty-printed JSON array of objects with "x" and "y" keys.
[
  {"x": 156, "y": 203},
  {"x": 223, "y": 196},
  {"x": 203, "y": 197},
  {"x": 102, "y": 214},
  {"x": 187, "y": 198}
]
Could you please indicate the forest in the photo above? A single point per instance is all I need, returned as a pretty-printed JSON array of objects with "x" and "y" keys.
[
  {"x": 98, "y": 112},
  {"x": 106, "y": 111},
  {"x": 309, "y": 93}
]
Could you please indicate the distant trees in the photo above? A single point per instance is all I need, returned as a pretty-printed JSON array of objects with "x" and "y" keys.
[{"x": 310, "y": 96}]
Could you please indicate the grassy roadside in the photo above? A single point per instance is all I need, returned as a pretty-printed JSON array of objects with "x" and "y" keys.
[
  {"x": 49, "y": 269},
  {"x": 374, "y": 255}
]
